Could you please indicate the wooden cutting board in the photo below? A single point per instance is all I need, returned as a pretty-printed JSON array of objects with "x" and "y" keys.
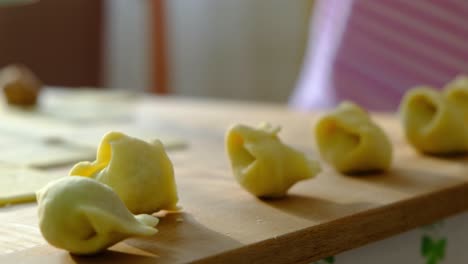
[{"x": 221, "y": 223}]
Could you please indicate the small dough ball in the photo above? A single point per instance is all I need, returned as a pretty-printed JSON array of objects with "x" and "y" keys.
[
  {"x": 262, "y": 164},
  {"x": 20, "y": 86},
  {"x": 434, "y": 123},
  {"x": 84, "y": 216},
  {"x": 351, "y": 142},
  {"x": 140, "y": 172}
]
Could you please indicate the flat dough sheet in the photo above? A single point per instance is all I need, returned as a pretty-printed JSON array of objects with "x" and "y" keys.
[
  {"x": 37, "y": 138},
  {"x": 91, "y": 136},
  {"x": 41, "y": 153},
  {"x": 19, "y": 184},
  {"x": 86, "y": 105}
]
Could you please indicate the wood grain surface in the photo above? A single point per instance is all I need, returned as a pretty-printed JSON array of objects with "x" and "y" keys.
[{"x": 222, "y": 223}]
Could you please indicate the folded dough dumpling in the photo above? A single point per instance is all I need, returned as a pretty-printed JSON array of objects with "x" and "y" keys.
[
  {"x": 434, "y": 123},
  {"x": 84, "y": 216},
  {"x": 456, "y": 94},
  {"x": 351, "y": 142},
  {"x": 262, "y": 164},
  {"x": 140, "y": 172}
]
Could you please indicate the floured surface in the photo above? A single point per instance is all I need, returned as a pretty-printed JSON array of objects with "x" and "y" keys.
[
  {"x": 19, "y": 184},
  {"x": 222, "y": 223},
  {"x": 41, "y": 153},
  {"x": 91, "y": 136},
  {"x": 90, "y": 105},
  {"x": 67, "y": 125}
]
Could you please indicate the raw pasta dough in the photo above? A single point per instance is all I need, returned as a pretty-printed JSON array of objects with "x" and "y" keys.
[
  {"x": 456, "y": 94},
  {"x": 262, "y": 164},
  {"x": 84, "y": 216},
  {"x": 351, "y": 142},
  {"x": 19, "y": 184},
  {"x": 91, "y": 136},
  {"x": 435, "y": 122},
  {"x": 140, "y": 172},
  {"x": 40, "y": 153}
]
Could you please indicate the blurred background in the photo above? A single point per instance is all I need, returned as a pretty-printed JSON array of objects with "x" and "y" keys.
[{"x": 235, "y": 49}]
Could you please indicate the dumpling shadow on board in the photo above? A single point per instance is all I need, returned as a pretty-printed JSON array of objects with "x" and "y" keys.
[
  {"x": 410, "y": 181},
  {"x": 182, "y": 239},
  {"x": 119, "y": 253},
  {"x": 315, "y": 208},
  {"x": 460, "y": 159},
  {"x": 111, "y": 256},
  {"x": 363, "y": 174},
  {"x": 412, "y": 172},
  {"x": 457, "y": 157}
]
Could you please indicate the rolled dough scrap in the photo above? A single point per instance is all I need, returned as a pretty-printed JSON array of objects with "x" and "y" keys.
[
  {"x": 40, "y": 153},
  {"x": 262, "y": 164},
  {"x": 91, "y": 136},
  {"x": 28, "y": 136},
  {"x": 84, "y": 105},
  {"x": 140, "y": 172},
  {"x": 31, "y": 124},
  {"x": 19, "y": 184},
  {"x": 84, "y": 216}
]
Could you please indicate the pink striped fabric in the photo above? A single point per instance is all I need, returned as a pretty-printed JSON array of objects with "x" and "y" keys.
[{"x": 372, "y": 51}]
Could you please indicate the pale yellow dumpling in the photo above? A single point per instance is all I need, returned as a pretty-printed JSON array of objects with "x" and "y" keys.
[
  {"x": 434, "y": 122},
  {"x": 262, "y": 164},
  {"x": 84, "y": 216},
  {"x": 456, "y": 94},
  {"x": 140, "y": 172},
  {"x": 351, "y": 142}
]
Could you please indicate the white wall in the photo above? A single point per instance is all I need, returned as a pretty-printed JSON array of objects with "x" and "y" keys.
[
  {"x": 127, "y": 45},
  {"x": 247, "y": 49},
  {"x": 242, "y": 49}
]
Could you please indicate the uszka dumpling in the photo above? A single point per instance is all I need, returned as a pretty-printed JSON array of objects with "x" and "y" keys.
[
  {"x": 140, "y": 172},
  {"x": 262, "y": 164},
  {"x": 434, "y": 122},
  {"x": 456, "y": 94},
  {"x": 351, "y": 142},
  {"x": 84, "y": 216}
]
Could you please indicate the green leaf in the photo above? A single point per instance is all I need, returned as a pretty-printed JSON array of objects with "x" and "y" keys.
[
  {"x": 439, "y": 248},
  {"x": 432, "y": 260},
  {"x": 330, "y": 259},
  {"x": 426, "y": 245}
]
